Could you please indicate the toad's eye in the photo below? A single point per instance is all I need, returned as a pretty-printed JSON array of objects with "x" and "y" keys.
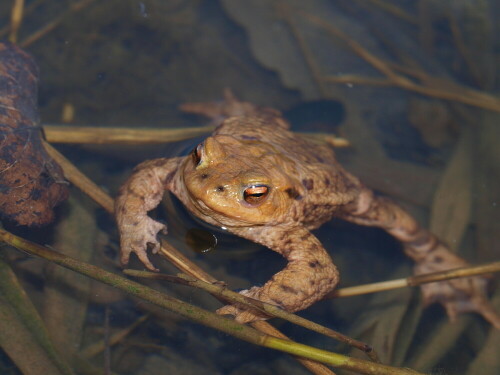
[
  {"x": 197, "y": 154},
  {"x": 255, "y": 194}
]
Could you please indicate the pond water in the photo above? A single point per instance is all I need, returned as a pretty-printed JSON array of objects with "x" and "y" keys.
[{"x": 411, "y": 85}]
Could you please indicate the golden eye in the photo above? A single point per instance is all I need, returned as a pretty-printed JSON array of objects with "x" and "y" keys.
[
  {"x": 196, "y": 153},
  {"x": 255, "y": 194}
]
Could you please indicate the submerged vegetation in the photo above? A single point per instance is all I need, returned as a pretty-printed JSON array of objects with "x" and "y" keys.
[{"x": 411, "y": 88}]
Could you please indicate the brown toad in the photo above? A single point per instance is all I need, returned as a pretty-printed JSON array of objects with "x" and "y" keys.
[{"x": 260, "y": 181}]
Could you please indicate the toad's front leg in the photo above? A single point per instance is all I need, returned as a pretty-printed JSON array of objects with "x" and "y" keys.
[
  {"x": 141, "y": 193},
  {"x": 430, "y": 255},
  {"x": 308, "y": 276}
]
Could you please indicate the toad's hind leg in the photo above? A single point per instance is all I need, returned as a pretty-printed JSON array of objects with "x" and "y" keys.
[
  {"x": 308, "y": 276},
  {"x": 429, "y": 254}
]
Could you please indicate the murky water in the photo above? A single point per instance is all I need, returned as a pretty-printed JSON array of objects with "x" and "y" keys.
[{"x": 411, "y": 85}]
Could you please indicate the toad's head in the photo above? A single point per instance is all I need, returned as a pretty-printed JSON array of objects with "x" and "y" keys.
[{"x": 239, "y": 182}]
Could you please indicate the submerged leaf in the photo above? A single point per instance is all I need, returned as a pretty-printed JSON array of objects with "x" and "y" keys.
[{"x": 451, "y": 207}]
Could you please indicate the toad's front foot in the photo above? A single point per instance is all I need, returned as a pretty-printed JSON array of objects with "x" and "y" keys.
[
  {"x": 137, "y": 236},
  {"x": 458, "y": 295}
]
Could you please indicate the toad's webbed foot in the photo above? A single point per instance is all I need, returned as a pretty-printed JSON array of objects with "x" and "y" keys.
[
  {"x": 141, "y": 193},
  {"x": 430, "y": 255},
  {"x": 137, "y": 237},
  {"x": 457, "y": 296}
]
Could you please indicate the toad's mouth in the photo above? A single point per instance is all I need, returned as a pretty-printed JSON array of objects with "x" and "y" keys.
[{"x": 217, "y": 216}]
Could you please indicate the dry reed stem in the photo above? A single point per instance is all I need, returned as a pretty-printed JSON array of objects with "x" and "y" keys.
[
  {"x": 415, "y": 280},
  {"x": 118, "y": 135},
  {"x": 461, "y": 94}
]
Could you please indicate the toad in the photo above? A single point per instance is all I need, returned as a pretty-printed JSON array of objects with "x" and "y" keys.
[{"x": 260, "y": 181}]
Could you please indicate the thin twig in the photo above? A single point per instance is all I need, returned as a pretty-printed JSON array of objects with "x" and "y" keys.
[
  {"x": 221, "y": 291},
  {"x": 415, "y": 280},
  {"x": 73, "y": 8},
  {"x": 200, "y": 315}
]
